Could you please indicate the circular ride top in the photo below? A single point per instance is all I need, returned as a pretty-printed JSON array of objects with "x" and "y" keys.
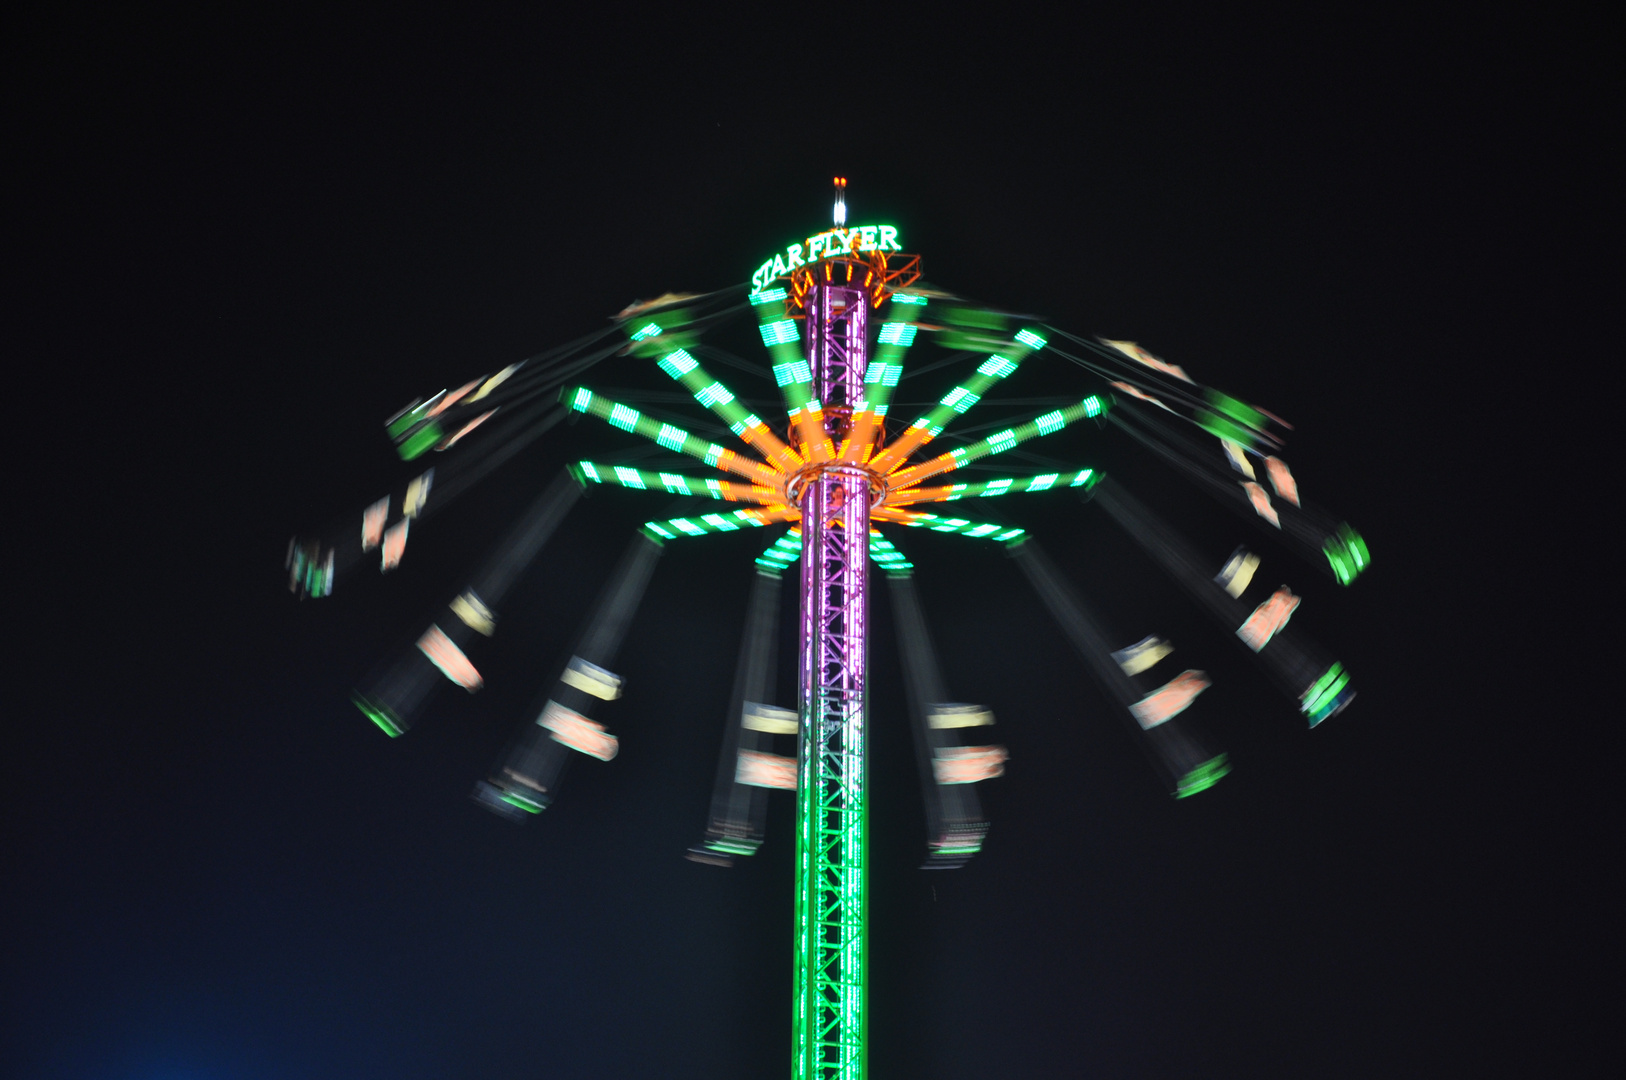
[{"x": 838, "y": 314}]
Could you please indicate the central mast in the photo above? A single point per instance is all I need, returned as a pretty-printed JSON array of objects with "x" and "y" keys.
[{"x": 831, "y": 844}]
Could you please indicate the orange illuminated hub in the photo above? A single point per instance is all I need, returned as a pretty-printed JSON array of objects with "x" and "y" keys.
[{"x": 893, "y": 484}]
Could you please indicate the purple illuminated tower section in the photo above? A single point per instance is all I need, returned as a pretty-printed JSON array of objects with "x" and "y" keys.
[{"x": 831, "y": 847}]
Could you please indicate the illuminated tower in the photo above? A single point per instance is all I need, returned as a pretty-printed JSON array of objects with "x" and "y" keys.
[{"x": 834, "y": 495}]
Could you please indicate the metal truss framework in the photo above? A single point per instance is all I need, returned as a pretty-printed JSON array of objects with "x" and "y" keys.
[{"x": 831, "y": 842}]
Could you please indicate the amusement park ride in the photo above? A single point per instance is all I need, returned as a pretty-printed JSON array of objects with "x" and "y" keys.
[{"x": 836, "y": 481}]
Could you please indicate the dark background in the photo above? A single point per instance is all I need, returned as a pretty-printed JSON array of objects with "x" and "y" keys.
[{"x": 237, "y": 244}]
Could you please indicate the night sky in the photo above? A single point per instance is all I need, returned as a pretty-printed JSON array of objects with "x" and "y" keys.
[{"x": 238, "y": 245}]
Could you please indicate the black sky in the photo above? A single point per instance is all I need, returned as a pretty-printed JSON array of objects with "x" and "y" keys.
[{"x": 238, "y": 244}]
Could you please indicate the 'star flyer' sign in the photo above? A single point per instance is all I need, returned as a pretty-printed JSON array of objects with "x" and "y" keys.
[{"x": 824, "y": 246}]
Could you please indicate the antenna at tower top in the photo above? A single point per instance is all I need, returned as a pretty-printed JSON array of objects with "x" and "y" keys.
[{"x": 841, "y": 200}]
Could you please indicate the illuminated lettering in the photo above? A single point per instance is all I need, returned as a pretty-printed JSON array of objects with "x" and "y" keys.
[{"x": 830, "y": 244}]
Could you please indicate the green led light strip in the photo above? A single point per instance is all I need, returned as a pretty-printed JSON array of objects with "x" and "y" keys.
[
  {"x": 886, "y": 366},
  {"x": 936, "y": 523},
  {"x": 581, "y": 399},
  {"x": 988, "y": 489},
  {"x": 719, "y": 399},
  {"x": 791, "y": 371},
  {"x": 703, "y": 524},
  {"x": 927, "y": 427},
  {"x": 592, "y": 472},
  {"x": 999, "y": 441}
]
